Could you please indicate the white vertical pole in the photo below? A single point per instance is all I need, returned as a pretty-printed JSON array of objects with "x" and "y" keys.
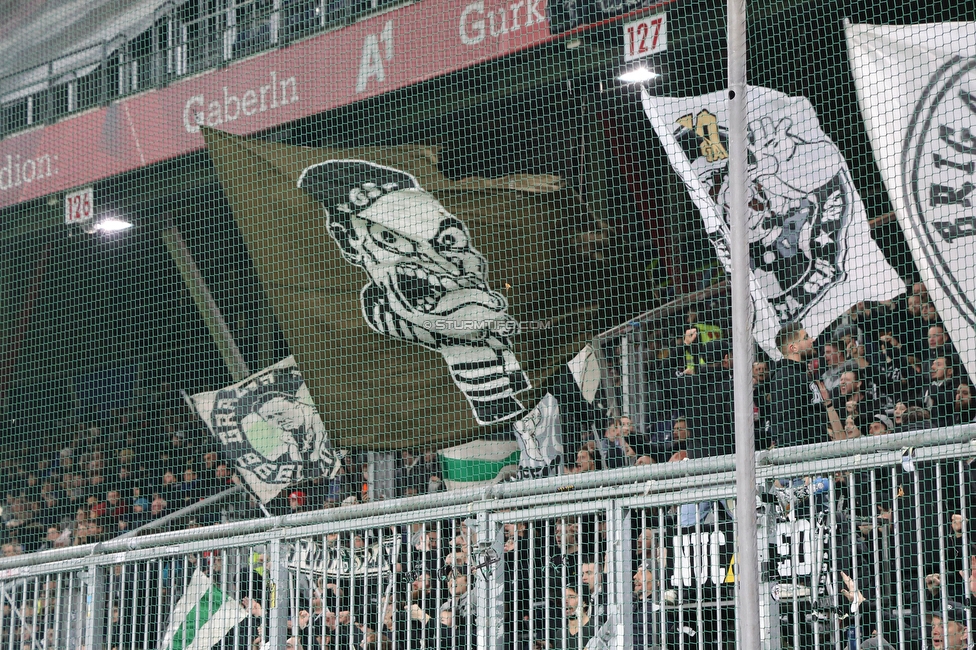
[
  {"x": 620, "y": 603},
  {"x": 625, "y": 386},
  {"x": 276, "y": 605},
  {"x": 747, "y": 580}
]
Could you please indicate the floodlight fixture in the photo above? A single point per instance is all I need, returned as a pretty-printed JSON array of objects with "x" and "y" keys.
[
  {"x": 638, "y": 75},
  {"x": 111, "y": 225}
]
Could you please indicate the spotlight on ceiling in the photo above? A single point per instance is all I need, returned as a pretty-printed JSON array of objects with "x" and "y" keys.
[
  {"x": 638, "y": 75},
  {"x": 110, "y": 225}
]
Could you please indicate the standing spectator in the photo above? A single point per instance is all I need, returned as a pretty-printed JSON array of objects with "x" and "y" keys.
[
  {"x": 11, "y": 549},
  {"x": 176, "y": 455},
  {"x": 802, "y": 411},
  {"x": 617, "y": 451},
  {"x": 761, "y": 405},
  {"x": 881, "y": 425},
  {"x": 647, "y": 619},
  {"x": 835, "y": 364},
  {"x": 912, "y": 323},
  {"x": 189, "y": 490},
  {"x": 404, "y": 473},
  {"x": 139, "y": 514},
  {"x": 671, "y": 444},
  {"x": 709, "y": 411},
  {"x": 96, "y": 508},
  {"x": 693, "y": 350},
  {"x": 938, "y": 344},
  {"x": 168, "y": 487},
  {"x": 895, "y": 375},
  {"x": 939, "y": 397},
  {"x": 579, "y": 624},
  {"x": 584, "y": 462},
  {"x": 55, "y": 538},
  {"x": 123, "y": 480},
  {"x": 208, "y": 473},
  {"x": 427, "y": 466},
  {"x": 296, "y": 502},
  {"x": 158, "y": 508},
  {"x": 964, "y": 410},
  {"x": 857, "y": 400},
  {"x": 116, "y": 510},
  {"x": 951, "y": 634}
]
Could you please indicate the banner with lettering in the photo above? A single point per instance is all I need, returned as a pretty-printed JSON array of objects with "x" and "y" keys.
[
  {"x": 336, "y": 560},
  {"x": 811, "y": 251},
  {"x": 372, "y": 56},
  {"x": 268, "y": 426},
  {"x": 916, "y": 85}
]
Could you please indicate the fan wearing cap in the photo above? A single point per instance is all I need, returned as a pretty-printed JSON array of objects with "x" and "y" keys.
[
  {"x": 951, "y": 634},
  {"x": 427, "y": 281},
  {"x": 881, "y": 425}
]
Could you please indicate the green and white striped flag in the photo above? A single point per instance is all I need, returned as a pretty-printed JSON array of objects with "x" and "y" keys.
[
  {"x": 479, "y": 462},
  {"x": 202, "y": 617}
]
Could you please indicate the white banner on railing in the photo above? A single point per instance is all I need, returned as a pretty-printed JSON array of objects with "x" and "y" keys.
[
  {"x": 916, "y": 85},
  {"x": 335, "y": 560},
  {"x": 810, "y": 246}
]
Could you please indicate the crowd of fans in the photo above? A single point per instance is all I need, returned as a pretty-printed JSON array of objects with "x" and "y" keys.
[
  {"x": 96, "y": 478},
  {"x": 882, "y": 368},
  {"x": 420, "y": 589}
]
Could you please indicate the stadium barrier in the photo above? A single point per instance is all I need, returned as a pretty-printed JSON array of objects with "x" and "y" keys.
[{"x": 641, "y": 557}]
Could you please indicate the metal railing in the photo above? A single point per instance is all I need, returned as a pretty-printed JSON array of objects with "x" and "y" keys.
[
  {"x": 179, "y": 43},
  {"x": 640, "y": 557}
]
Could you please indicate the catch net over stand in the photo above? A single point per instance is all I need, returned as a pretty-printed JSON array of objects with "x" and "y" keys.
[{"x": 331, "y": 323}]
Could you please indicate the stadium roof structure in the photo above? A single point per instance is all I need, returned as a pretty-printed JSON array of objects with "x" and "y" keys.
[{"x": 68, "y": 35}]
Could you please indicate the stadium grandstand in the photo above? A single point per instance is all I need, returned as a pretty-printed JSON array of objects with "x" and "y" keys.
[{"x": 494, "y": 324}]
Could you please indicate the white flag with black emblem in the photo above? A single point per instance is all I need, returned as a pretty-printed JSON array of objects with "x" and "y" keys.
[
  {"x": 810, "y": 246},
  {"x": 916, "y": 85},
  {"x": 268, "y": 426}
]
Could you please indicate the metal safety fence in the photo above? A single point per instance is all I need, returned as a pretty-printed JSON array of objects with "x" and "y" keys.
[{"x": 864, "y": 538}]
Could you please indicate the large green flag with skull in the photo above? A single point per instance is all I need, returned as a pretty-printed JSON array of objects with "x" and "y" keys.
[{"x": 422, "y": 311}]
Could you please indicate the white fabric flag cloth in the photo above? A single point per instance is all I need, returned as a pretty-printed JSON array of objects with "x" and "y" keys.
[
  {"x": 539, "y": 435},
  {"x": 810, "y": 245},
  {"x": 269, "y": 428},
  {"x": 916, "y": 85}
]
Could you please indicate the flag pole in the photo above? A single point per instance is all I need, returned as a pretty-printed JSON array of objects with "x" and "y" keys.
[
  {"x": 165, "y": 520},
  {"x": 747, "y": 546}
]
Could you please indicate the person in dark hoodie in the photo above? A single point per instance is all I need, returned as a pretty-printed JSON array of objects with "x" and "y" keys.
[
  {"x": 710, "y": 418},
  {"x": 964, "y": 408},
  {"x": 939, "y": 396},
  {"x": 139, "y": 514}
]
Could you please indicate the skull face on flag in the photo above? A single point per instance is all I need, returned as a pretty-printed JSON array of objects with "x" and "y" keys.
[
  {"x": 421, "y": 309},
  {"x": 428, "y": 283},
  {"x": 810, "y": 248},
  {"x": 428, "y": 280}
]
